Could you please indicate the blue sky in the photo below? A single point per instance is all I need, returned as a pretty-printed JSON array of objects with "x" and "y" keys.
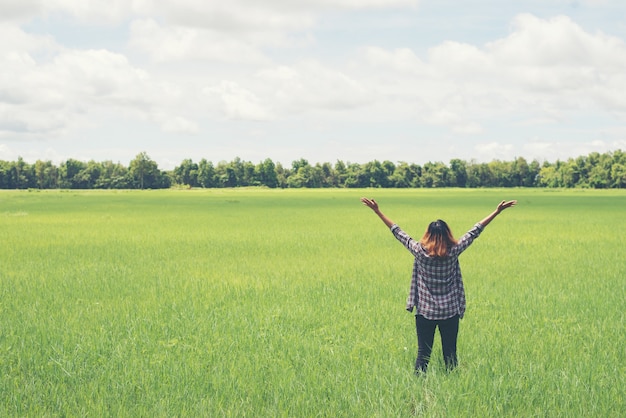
[{"x": 324, "y": 80}]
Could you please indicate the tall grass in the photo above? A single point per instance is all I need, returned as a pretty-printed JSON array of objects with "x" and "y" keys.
[{"x": 291, "y": 303}]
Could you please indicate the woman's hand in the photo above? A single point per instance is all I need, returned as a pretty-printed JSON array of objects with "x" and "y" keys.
[
  {"x": 503, "y": 205},
  {"x": 370, "y": 203}
]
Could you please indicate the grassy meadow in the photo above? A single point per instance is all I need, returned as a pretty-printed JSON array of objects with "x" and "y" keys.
[{"x": 290, "y": 303}]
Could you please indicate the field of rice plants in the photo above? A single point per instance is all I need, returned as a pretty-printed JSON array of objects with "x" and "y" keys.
[{"x": 258, "y": 302}]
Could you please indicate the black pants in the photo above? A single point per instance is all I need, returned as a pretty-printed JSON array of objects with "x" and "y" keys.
[{"x": 448, "y": 329}]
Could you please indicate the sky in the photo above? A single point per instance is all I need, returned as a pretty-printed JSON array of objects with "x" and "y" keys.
[{"x": 324, "y": 80}]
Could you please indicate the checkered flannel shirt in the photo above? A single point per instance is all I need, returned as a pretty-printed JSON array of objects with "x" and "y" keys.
[{"x": 436, "y": 284}]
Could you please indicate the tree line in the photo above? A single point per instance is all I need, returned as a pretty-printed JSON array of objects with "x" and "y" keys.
[{"x": 596, "y": 170}]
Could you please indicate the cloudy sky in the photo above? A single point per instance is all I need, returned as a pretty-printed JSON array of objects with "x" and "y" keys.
[{"x": 324, "y": 80}]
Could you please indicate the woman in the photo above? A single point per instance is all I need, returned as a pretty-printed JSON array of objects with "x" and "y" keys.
[{"x": 437, "y": 292}]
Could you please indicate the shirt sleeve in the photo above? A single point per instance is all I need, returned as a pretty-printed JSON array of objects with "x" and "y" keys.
[
  {"x": 467, "y": 239},
  {"x": 408, "y": 242}
]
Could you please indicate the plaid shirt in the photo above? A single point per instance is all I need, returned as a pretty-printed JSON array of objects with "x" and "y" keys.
[{"x": 436, "y": 283}]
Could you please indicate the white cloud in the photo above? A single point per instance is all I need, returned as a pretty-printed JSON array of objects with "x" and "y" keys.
[
  {"x": 24, "y": 43},
  {"x": 469, "y": 128},
  {"x": 562, "y": 66},
  {"x": 101, "y": 77},
  {"x": 354, "y": 4},
  {"x": 293, "y": 63},
  {"x": 233, "y": 16},
  {"x": 229, "y": 16},
  {"x": 19, "y": 10},
  {"x": 28, "y": 98},
  {"x": 8, "y": 153},
  {"x": 94, "y": 11},
  {"x": 495, "y": 150},
  {"x": 401, "y": 59},
  {"x": 460, "y": 60},
  {"x": 557, "y": 42},
  {"x": 47, "y": 94},
  {"x": 256, "y": 16},
  {"x": 236, "y": 102},
  {"x": 309, "y": 85},
  {"x": 544, "y": 68},
  {"x": 546, "y": 150},
  {"x": 176, "y": 124},
  {"x": 174, "y": 43}
]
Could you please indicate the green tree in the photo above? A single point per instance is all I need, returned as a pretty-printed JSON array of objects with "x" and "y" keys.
[
  {"x": 187, "y": 173},
  {"x": 356, "y": 176},
  {"x": 600, "y": 172},
  {"x": 521, "y": 175},
  {"x": 113, "y": 176},
  {"x": 300, "y": 175},
  {"x": 298, "y": 164},
  {"x": 206, "y": 174},
  {"x": 618, "y": 175},
  {"x": 306, "y": 176},
  {"x": 501, "y": 174},
  {"x": 266, "y": 173},
  {"x": 88, "y": 177},
  {"x": 250, "y": 177},
  {"x": 376, "y": 174},
  {"x": 570, "y": 175},
  {"x": 68, "y": 173},
  {"x": 458, "y": 169},
  {"x": 282, "y": 174},
  {"x": 237, "y": 166},
  {"x": 5, "y": 175},
  {"x": 146, "y": 174},
  {"x": 341, "y": 173},
  {"x": 436, "y": 175},
  {"x": 23, "y": 174},
  {"x": 599, "y": 177},
  {"x": 479, "y": 175},
  {"x": 549, "y": 176},
  {"x": 329, "y": 178},
  {"x": 227, "y": 175},
  {"x": 402, "y": 176},
  {"x": 46, "y": 174}
]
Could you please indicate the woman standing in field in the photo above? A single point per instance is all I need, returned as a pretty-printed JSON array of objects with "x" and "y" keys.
[{"x": 437, "y": 291}]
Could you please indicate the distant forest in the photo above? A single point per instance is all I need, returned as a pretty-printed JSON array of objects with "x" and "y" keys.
[{"x": 598, "y": 171}]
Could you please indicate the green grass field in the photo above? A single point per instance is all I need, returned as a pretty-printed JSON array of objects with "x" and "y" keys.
[{"x": 265, "y": 303}]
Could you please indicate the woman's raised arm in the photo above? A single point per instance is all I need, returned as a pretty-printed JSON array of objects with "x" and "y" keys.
[
  {"x": 503, "y": 205},
  {"x": 371, "y": 203}
]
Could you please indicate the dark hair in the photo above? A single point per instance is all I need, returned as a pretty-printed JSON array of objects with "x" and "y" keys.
[{"x": 438, "y": 239}]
